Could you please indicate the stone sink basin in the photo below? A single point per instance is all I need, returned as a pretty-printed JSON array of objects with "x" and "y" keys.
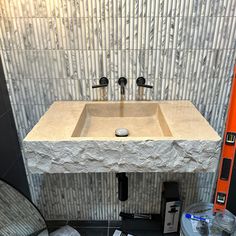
[
  {"x": 164, "y": 136},
  {"x": 102, "y": 119}
]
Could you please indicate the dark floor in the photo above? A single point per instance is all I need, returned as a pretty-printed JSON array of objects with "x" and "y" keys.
[{"x": 135, "y": 227}]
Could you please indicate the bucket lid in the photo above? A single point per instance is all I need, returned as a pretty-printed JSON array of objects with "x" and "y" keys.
[{"x": 191, "y": 227}]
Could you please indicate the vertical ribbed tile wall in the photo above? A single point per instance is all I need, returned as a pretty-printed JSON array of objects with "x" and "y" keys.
[
  {"x": 55, "y": 50},
  {"x": 94, "y": 196}
]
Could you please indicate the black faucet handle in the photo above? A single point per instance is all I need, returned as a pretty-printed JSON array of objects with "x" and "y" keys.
[
  {"x": 99, "y": 86},
  {"x": 122, "y": 81},
  {"x": 141, "y": 83},
  {"x": 103, "y": 82}
]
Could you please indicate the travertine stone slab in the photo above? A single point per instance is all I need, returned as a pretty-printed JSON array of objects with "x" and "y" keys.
[{"x": 186, "y": 142}]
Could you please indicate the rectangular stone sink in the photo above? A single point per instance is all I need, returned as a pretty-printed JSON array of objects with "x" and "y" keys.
[
  {"x": 102, "y": 119},
  {"x": 164, "y": 136}
]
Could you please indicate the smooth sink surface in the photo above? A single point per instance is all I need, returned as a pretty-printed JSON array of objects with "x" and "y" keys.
[
  {"x": 141, "y": 120},
  {"x": 156, "y": 120}
]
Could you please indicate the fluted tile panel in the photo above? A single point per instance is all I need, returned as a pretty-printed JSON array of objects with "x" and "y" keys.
[{"x": 94, "y": 196}]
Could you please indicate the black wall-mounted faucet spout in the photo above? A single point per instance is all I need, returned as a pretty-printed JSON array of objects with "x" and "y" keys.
[{"x": 122, "y": 82}]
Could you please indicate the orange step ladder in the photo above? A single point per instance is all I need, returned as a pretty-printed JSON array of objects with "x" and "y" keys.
[{"x": 228, "y": 153}]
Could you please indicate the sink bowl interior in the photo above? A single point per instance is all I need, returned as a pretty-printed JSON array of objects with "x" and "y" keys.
[{"x": 102, "y": 119}]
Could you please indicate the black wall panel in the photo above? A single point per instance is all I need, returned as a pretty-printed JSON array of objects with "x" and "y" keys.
[{"x": 12, "y": 168}]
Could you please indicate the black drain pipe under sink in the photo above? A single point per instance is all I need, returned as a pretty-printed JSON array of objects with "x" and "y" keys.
[{"x": 122, "y": 186}]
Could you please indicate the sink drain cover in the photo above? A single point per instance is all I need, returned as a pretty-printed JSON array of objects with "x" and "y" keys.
[{"x": 121, "y": 132}]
